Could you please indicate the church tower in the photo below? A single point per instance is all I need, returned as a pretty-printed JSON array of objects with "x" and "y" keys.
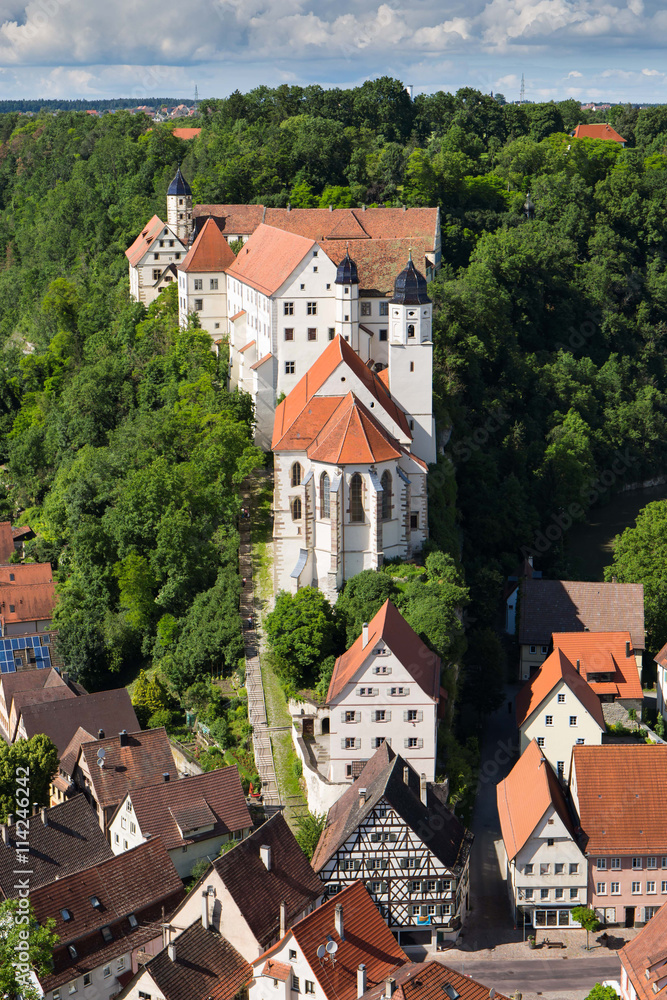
[
  {"x": 347, "y": 302},
  {"x": 411, "y": 357},
  {"x": 179, "y": 207}
]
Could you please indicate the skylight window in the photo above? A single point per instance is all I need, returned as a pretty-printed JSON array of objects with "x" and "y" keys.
[
  {"x": 107, "y": 935},
  {"x": 66, "y": 915},
  {"x": 72, "y": 951},
  {"x": 132, "y": 920},
  {"x": 95, "y": 903}
]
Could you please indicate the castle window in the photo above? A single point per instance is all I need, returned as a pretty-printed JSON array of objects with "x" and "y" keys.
[
  {"x": 156, "y": 274},
  {"x": 199, "y": 284},
  {"x": 384, "y": 309},
  {"x": 414, "y": 521},
  {"x": 386, "y": 484},
  {"x": 311, "y": 308},
  {"x": 325, "y": 499},
  {"x": 312, "y": 333},
  {"x": 199, "y": 305},
  {"x": 411, "y": 330},
  {"x": 383, "y": 335},
  {"x": 356, "y": 498},
  {"x": 288, "y": 308},
  {"x": 365, "y": 308},
  {"x": 290, "y": 367},
  {"x": 296, "y": 509},
  {"x": 296, "y": 474},
  {"x": 412, "y": 366},
  {"x": 213, "y": 284},
  {"x": 289, "y": 333},
  {"x": 332, "y": 332}
]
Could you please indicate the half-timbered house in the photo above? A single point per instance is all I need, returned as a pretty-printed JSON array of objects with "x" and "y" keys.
[{"x": 392, "y": 829}]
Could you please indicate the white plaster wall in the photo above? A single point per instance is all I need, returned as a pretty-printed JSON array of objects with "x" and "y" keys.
[
  {"x": 320, "y": 793},
  {"x": 536, "y": 851},
  {"x": 102, "y": 987},
  {"x": 661, "y": 689},
  {"x": 560, "y": 737},
  {"x": 262, "y": 987},
  {"x": 224, "y": 916}
]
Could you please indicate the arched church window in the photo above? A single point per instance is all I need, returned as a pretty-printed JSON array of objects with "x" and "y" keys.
[
  {"x": 296, "y": 474},
  {"x": 356, "y": 498},
  {"x": 411, "y": 329},
  {"x": 296, "y": 509},
  {"x": 325, "y": 499},
  {"x": 386, "y": 484}
]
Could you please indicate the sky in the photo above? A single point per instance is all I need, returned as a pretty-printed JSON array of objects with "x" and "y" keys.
[{"x": 592, "y": 50}]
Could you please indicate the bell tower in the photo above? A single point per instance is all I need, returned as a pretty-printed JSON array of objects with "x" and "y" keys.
[
  {"x": 347, "y": 302},
  {"x": 411, "y": 357},
  {"x": 179, "y": 207}
]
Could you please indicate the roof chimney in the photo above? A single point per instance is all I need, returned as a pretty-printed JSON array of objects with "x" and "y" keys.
[
  {"x": 423, "y": 794},
  {"x": 45, "y": 817},
  {"x": 283, "y": 919},
  {"x": 10, "y": 819},
  {"x": 5, "y": 833},
  {"x": 364, "y": 633},
  {"x": 627, "y": 648},
  {"x": 331, "y": 208},
  {"x": 289, "y": 207},
  {"x": 35, "y": 808},
  {"x": 66, "y": 677},
  {"x": 100, "y": 734},
  {"x": 578, "y": 666},
  {"x": 390, "y": 986},
  {"x": 362, "y": 796},
  {"x": 171, "y": 951},
  {"x": 338, "y": 921},
  {"x": 406, "y": 775},
  {"x": 361, "y": 980},
  {"x": 265, "y": 856},
  {"x": 124, "y": 741},
  {"x": 165, "y": 775},
  {"x": 204, "y": 910}
]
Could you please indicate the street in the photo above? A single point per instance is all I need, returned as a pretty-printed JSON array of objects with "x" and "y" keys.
[{"x": 560, "y": 977}]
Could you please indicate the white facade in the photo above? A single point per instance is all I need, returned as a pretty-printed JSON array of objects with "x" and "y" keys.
[
  {"x": 100, "y": 983},
  {"x": 179, "y": 210},
  {"x": 558, "y": 724},
  {"x": 156, "y": 269},
  {"x": 661, "y": 691},
  {"x": 265, "y": 987},
  {"x": 205, "y": 294}
]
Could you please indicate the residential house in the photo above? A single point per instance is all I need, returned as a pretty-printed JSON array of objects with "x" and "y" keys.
[
  {"x": 59, "y": 720},
  {"x": 194, "y": 816},
  {"x": 619, "y": 792},
  {"x": 609, "y": 664},
  {"x": 598, "y": 130},
  {"x": 511, "y": 593},
  {"x": 335, "y": 953},
  {"x": 661, "y": 682},
  {"x": 105, "y": 916},
  {"x": 430, "y": 980},
  {"x": 392, "y": 830},
  {"x": 199, "y": 965},
  {"x": 27, "y": 599},
  {"x": 385, "y": 687},
  {"x": 203, "y": 271},
  {"x": 644, "y": 961},
  {"x": 23, "y": 687},
  {"x": 545, "y": 868},
  {"x": 63, "y": 840},
  {"x": 6, "y": 541},
  {"x": 350, "y": 490},
  {"x": 259, "y": 889},
  {"x": 108, "y": 768},
  {"x": 62, "y": 785},
  {"x": 548, "y": 606},
  {"x": 558, "y": 709}
]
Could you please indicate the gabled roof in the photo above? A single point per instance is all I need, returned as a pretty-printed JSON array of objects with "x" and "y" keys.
[
  {"x": 268, "y": 258},
  {"x": 661, "y": 657},
  {"x": 237, "y": 220},
  {"x": 524, "y": 796},
  {"x": 28, "y": 680},
  {"x": 622, "y": 790},
  {"x": 366, "y": 939},
  {"x": 43, "y": 696},
  {"x": 390, "y": 626},
  {"x": 556, "y": 668},
  {"x": 70, "y": 754},
  {"x": 597, "y": 131},
  {"x": 27, "y": 592},
  {"x": 383, "y": 777},
  {"x": 103, "y": 710},
  {"x": 258, "y": 892},
  {"x": 206, "y": 967},
  {"x": 71, "y": 839},
  {"x": 645, "y": 958},
  {"x": 143, "y": 761},
  {"x": 603, "y": 652},
  {"x": 300, "y": 400},
  {"x": 426, "y": 981},
  {"x": 548, "y": 606},
  {"x": 209, "y": 252},
  {"x": 141, "y": 245},
  {"x": 6, "y": 541},
  {"x": 185, "y": 133},
  {"x": 352, "y": 436},
  {"x": 169, "y": 809}
]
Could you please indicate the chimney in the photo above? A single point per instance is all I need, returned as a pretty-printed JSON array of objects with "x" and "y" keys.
[
  {"x": 406, "y": 775},
  {"x": 35, "y": 808},
  {"x": 362, "y": 796},
  {"x": 124, "y": 741},
  {"x": 423, "y": 795},
  {"x": 627, "y": 649},
  {"x": 66, "y": 677},
  {"x": 204, "y": 910},
  {"x": 45, "y": 818},
  {"x": 100, "y": 734},
  {"x": 530, "y": 561},
  {"x": 10, "y": 819},
  {"x": 171, "y": 951},
  {"x": 331, "y": 208},
  {"x": 578, "y": 666},
  {"x": 165, "y": 775},
  {"x": 364, "y": 632},
  {"x": 338, "y": 921},
  {"x": 363, "y": 208},
  {"x": 289, "y": 207},
  {"x": 5, "y": 833},
  {"x": 405, "y": 208},
  {"x": 361, "y": 980},
  {"x": 265, "y": 856},
  {"x": 283, "y": 919},
  {"x": 390, "y": 986}
]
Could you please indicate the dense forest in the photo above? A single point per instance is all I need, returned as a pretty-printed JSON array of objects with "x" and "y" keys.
[{"x": 121, "y": 442}]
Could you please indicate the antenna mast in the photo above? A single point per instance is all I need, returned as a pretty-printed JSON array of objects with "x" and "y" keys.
[
  {"x": 196, "y": 98},
  {"x": 522, "y": 96}
]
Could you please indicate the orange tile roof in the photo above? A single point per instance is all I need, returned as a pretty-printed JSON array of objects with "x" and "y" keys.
[
  {"x": 31, "y": 593},
  {"x": 622, "y": 791},
  {"x": 301, "y": 398},
  {"x": 277, "y": 970},
  {"x": 426, "y": 981},
  {"x": 237, "y": 315},
  {"x": 384, "y": 376},
  {"x": 556, "y": 668},
  {"x": 186, "y": 133},
  {"x": 136, "y": 251},
  {"x": 262, "y": 361},
  {"x": 366, "y": 938},
  {"x": 6, "y": 541},
  {"x": 645, "y": 958},
  {"x": 209, "y": 252},
  {"x": 524, "y": 796},
  {"x": 597, "y": 131},
  {"x": 661, "y": 657},
  {"x": 245, "y": 348},
  {"x": 390, "y": 626},
  {"x": 352, "y": 436},
  {"x": 268, "y": 258},
  {"x": 603, "y": 653},
  {"x": 379, "y": 262},
  {"x": 236, "y": 219}
]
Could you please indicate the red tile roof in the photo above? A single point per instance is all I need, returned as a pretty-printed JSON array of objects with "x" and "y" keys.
[
  {"x": 28, "y": 680},
  {"x": 389, "y": 625},
  {"x": 164, "y": 809},
  {"x": 209, "y": 252},
  {"x": 556, "y": 668},
  {"x": 622, "y": 790},
  {"x": 366, "y": 938},
  {"x": 136, "y": 251},
  {"x": 597, "y": 131},
  {"x": 143, "y": 761},
  {"x": 31, "y": 593},
  {"x": 379, "y": 262},
  {"x": 60, "y": 720},
  {"x": 262, "y": 361},
  {"x": 645, "y": 958},
  {"x": 237, "y": 220},
  {"x": 548, "y": 606},
  {"x": 524, "y": 796},
  {"x": 206, "y": 967},
  {"x": 277, "y": 970},
  {"x": 352, "y": 436},
  {"x": 603, "y": 653},
  {"x": 268, "y": 258},
  {"x": 42, "y": 696},
  {"x": 426, "y": 981},
  {"x": 186, "y": 133},
  {"x": 6, "y": 541}
]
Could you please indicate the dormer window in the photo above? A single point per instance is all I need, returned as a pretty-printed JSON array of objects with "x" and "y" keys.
[
  {"x": 107, "y": 935},
  {"x": 95, "y": 903},
  {"x": 66, "y": 915},
  {"x": 132, "y": 921}
]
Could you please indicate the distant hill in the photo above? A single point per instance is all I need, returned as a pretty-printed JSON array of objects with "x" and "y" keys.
[{"x": 86, "y": 104}]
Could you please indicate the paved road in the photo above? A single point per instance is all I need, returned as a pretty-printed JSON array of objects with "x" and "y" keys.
[{"x": 535, "y": 975}]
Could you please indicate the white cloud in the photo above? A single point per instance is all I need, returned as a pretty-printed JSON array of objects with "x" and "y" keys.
[{"x": 575, "y": 74}]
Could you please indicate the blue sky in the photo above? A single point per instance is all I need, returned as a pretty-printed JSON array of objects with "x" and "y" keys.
[{"x": 566, "y": 48}]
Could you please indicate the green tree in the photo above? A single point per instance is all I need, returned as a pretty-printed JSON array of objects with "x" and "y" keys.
[
  {"x": 361, "y": 599},
  {"x": 587, "y": 917},
  {"x": 27, "y": 768},
  {"x": 301, "y": 631},
  {"x": 308, "y": 831},
  {"x": 600, "y": 992},
  {"x": 25, "y": 946}
]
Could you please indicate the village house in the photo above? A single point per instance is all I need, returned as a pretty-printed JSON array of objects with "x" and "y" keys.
[
  {"x": 549, "y": 606},
  {"x": 203, "y": 270},
  {"x": 26, "y": 686},
  {"x": 12, "y": 539},
  {"x": 105, "y": 917},
  {"x": 194, "y": 816},
  {"x": 257, "y": 890},
  {"x": 386, "y": 687},
  {"x": 608, "y": 663},
  {"x": 661, "y": 682},
  {"x": 559, "y": 710},
  {"x": 59, "y": 720},
  {"x": 598, "y": 130},
  {"x": 545, "y": 869},
  {"x": 644, "y": 961},
  {"x": 428, "y": 980},
  {"x": 335, "y": 953},
  {"x": 392, "y": 829},
  {"x": 619, "y": 792},
  {"x": 27, "y": 599}
]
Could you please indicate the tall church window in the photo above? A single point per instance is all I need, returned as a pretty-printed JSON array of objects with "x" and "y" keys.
[
  {"x": 296, "y": 474},
  {"x": 356, "y": 498},
  {"x": 325, "y": 499},
  {"x": 386, "y": 484},
  {"x": 296, "y": 509}
]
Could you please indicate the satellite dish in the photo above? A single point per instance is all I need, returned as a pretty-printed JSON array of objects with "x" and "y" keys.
[
  {"x": 321, "y": 951},
  {"x": 332, "y": 947},
  {"x": 101, "y": 753}
]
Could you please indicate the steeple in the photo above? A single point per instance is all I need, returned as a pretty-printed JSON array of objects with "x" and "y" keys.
[
  {"x": 179, "y": 207},
  {"x": 346, "y": 273},
  {"x": 410, "y": 288},
  {"x": 347, "y": 301}
]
